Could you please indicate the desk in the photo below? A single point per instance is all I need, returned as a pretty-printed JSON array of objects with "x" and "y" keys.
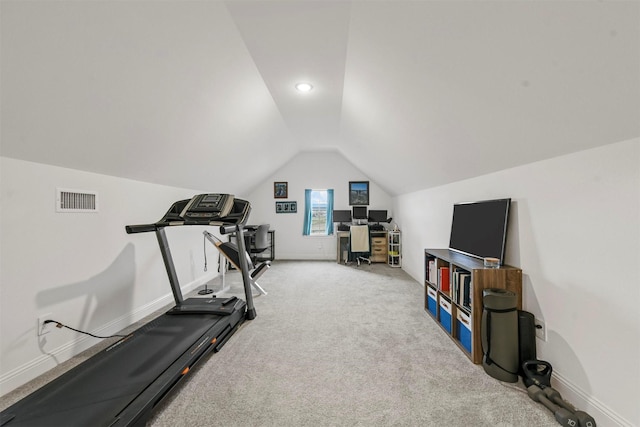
[
  {"x": 378, "y": 246},
  {"x": 270, "y": 253}
]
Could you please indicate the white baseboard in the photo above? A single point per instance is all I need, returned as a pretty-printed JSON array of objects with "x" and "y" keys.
[
  {"x": 45, "y": 362},
  {"x": 603, "y": 415}
]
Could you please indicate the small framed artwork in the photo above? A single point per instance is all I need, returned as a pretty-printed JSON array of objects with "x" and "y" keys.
[
  {"x": 286, "y": 207},
  {"x": 280, "y": 190},
  {"x": 358, "y": 193}
]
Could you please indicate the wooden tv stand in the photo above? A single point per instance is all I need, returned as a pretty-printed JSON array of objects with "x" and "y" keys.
[{"x": 463, "y": 321}]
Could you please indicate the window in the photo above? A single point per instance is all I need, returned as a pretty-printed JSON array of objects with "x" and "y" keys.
[{"x": 318, "y": 212}]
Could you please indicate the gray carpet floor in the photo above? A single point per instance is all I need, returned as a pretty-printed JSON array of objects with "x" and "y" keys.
[{"x": 337, "y": 345}]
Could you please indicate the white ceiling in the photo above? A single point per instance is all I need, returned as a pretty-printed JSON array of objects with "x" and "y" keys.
[{"x": 415, "y": 94}]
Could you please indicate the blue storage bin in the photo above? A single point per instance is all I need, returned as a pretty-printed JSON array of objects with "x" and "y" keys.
[
  {"x": 445, "y": 314},
  {"x": 432, "y": 301},
  {"x": 463, "y": 330}
]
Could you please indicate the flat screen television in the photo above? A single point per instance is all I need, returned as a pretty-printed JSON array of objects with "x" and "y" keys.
[
  {"x": 479, "y": 229},
  {"x": 359, "y": 212},
  {"x": 341, "y": 216}
]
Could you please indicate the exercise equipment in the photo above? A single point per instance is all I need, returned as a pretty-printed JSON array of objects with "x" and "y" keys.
[
  {"x": 537, "y": 379},
  {"x": 563, "y": 416},
  {"x": 584, "y": 419},
  {"x": 230, "y": 251},
  {"x": 509, "y": 347},
  {"x": 537, "y": 372},
  {"x": 499, "y": 334},
  {"x": 122, "y": 384},
  {"x": 206, "y": 290}
]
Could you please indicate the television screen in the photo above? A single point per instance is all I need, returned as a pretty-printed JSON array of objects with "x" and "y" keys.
[
  {"x": 360, "y": 212},
  {"x": 341, "y": 216},
  {"x": 480, "y": 228},
  {"x": 377, "y": 215}
]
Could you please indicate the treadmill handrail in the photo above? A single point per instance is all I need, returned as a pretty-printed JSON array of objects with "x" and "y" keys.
[
  {"x": 145, "y": 228},
  {"x": 140, "y": 228},
  {"x": 226, "y": 229}
]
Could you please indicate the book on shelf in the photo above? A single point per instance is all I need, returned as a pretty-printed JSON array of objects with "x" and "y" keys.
[
  {"x": 461, "y": 287},
  {"x": 432, "y": 271},
  {"x": 466, "y": 286},
  {"x": 455, "y": 288},
  {"x": 443, "y": 282}
]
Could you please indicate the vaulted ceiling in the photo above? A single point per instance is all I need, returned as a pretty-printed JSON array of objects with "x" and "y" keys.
[{"x": 415, "y": 94}]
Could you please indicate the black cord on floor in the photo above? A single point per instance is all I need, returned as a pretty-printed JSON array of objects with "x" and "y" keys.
[{"x": 60, "y": 325}]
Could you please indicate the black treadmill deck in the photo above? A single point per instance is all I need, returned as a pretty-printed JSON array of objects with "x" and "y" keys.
[{"x": 121, "y": 384}]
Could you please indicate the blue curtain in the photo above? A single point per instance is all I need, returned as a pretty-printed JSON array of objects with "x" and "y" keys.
[
  {"x": 329, "y": 228},
  {"x": 306, "y": 229}
]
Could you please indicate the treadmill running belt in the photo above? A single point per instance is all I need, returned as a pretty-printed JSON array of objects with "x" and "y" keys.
[{"x": 96, "y": 391}]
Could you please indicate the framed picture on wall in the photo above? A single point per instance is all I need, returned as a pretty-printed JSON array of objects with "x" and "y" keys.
[
  {"x": 358, "y": 193},
  {"x": 286, "y": 207},
  {"x": 280, "y": 190}
]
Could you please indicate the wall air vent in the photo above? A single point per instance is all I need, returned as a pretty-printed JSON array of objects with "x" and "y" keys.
[{"x": 76, "y": 201}]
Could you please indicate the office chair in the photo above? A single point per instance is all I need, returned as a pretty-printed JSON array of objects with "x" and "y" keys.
[
  {"x": 260, "y": 242},
  {"x": 360, "y": 243}
]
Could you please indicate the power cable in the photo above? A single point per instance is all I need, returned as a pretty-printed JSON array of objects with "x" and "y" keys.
[{"x": 60, "y": 325}]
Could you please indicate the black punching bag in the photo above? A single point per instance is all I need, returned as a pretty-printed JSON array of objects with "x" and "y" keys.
[{"x": 500, "y": 334}]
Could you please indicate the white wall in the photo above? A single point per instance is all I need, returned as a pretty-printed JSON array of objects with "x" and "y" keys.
[
  {"x": 81, "y": 267},
  {"x": 315, "y": 170},
  {"x": 575, "y": 232}
]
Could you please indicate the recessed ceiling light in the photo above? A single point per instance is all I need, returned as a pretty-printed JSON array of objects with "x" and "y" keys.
[{"x": 304, "y": 87}]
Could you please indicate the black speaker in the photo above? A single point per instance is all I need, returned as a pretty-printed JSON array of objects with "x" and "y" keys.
[{"x": 526, "y": 338}]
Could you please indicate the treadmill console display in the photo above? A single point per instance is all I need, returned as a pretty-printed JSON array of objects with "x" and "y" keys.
[
  {"x": 208, "y": 206},
  {"x": 203, "y": 209}
]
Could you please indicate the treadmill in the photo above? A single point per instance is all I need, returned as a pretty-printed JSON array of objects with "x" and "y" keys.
[{"x": 121, "y": 385}]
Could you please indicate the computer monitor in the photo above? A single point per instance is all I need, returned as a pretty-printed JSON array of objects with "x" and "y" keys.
[
  {"x": 359, "y": 212},
  {"x": 378, "y": 215},
  {"x": 341, "y": 216}
]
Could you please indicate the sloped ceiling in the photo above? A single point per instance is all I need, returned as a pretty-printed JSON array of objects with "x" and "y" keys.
[{"x": 415, "y": 94}]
